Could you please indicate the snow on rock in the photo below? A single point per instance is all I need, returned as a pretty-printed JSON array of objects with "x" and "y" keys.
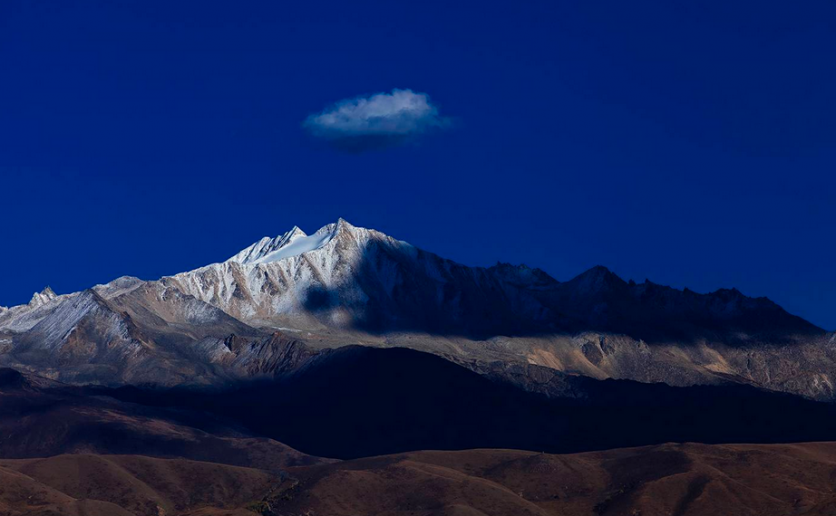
[
  {"x": 345, "y": 276},
  {"x": 267, "y": 245},
  {"x": 118, "y": 287},
  {"x": 293, "y": 243},
  {"x": 298, "y": 246},
  {"x": 298, "y": 276},
  {"x": 43, "y": 297},
  {"x": 23, "y": 317}
]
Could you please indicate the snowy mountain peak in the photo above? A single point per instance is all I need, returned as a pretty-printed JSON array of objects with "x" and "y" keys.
[
  {"x": 43, "y": 297},
  {"x": 342, "y": 223},
  {"x": 293, "y": 243},
  {"x": 266, "y": 246}
]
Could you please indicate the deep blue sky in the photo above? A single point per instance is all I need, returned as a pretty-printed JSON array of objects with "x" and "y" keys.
[{"x": 693, "y": 145}]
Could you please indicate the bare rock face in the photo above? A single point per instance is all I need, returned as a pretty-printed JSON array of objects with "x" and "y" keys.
[{"x": 348, "y": 285}]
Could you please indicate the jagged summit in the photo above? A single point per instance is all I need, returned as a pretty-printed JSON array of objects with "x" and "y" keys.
[
  {"x": 266, "y": 246},
  {"x": 43, "y": 297},
  {"x": 293, "y": 243}
]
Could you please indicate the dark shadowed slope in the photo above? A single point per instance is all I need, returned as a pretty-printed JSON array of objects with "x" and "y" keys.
[
  {"x": 601, "y": 301},
  {"x": 356, "y": 401},
  {"x": 41, "y": 418}
]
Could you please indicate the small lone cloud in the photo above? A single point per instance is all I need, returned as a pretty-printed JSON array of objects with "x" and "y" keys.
[{"x": 375, "y": 122}]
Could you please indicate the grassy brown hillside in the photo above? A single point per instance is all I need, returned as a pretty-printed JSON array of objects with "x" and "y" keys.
[
  {"x": 664, "y": 480},
  {"x": 114, "y": 485}
]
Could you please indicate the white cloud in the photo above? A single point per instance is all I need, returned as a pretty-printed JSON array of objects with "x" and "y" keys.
[{"x": 380, "y": 120}]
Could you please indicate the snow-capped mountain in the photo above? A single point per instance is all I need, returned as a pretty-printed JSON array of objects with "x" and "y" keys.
[
  {"x": 23, "y": 317},
  {"x": 347, "y": 277},
  {"x": 293, "y": 243},
  {"x": 294, "y": 279},
  {"x": 344, "y": 284}
]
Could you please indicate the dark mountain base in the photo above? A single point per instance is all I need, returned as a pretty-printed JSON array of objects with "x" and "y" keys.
[
  {"x": 364, "y": 402},
  {"x": 40, "y": 418},
  {"x": 358, "y": 402}
]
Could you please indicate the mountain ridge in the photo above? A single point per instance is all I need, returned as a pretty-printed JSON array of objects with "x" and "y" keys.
[
  {"x": 594, "y": 278},
  {"x": 361, "y": 247},
  {"x": 350, "y": 285}
]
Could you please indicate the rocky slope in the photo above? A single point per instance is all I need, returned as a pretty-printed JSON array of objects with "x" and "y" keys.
[
  {"x": 136, "y": 332},
  {"x": 349, "y": 285}
]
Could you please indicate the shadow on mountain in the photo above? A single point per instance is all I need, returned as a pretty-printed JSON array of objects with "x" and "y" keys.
[
  {"x": 420, "y": 292},
  {"x": 356, "y": 402},
  {"x": 41, "y": 418},
  {"x": 319, "y": 300}
]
